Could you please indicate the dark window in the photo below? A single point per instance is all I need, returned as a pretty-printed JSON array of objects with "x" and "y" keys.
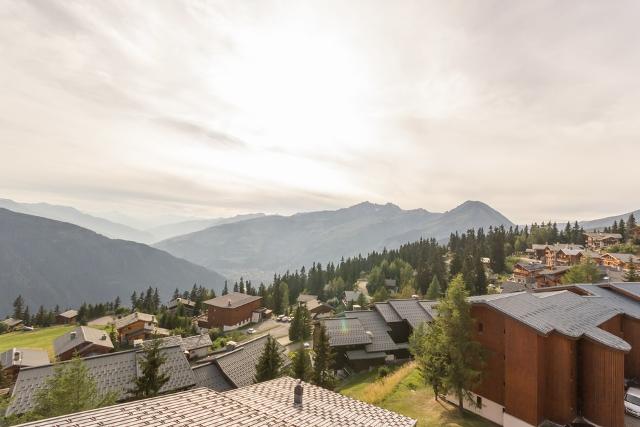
[{"x": 480, "y": 327}]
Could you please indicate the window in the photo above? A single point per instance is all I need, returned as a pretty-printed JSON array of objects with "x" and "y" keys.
[{"x": 480, "y": 327}]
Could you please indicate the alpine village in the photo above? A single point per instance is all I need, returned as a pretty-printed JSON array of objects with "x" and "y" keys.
[{"x": 525, "y": 326}]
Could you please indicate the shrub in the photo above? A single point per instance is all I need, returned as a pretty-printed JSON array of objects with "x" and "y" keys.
[{"x": 383, "y": 371}]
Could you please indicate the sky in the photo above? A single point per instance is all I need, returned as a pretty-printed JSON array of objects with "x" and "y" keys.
[{"x": 217, "y": 108}]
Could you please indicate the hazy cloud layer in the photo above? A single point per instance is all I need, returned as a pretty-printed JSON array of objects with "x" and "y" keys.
[{"x": 210, "y": 108}]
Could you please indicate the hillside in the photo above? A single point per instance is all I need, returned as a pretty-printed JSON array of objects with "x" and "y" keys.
[
  {"x": 259, "y": 247},
  {"x": 601, "y": 223},
  {"x": 168, "y": 231},
  {"x": 73, "y": 216},
  {"x": 51, "y": 262}
]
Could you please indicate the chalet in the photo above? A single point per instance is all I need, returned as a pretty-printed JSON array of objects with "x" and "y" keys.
[
  {"x": 187, "y": 305},
  {"x": 557, "y": 356},
  {"x": 315, "y": 307},
  {"x": 280, "y": 402},
  {"x": 233, "y": 310},
  {"x": 12, "y": 324},
  {"x": 551, "y": 276},
  {"x": 112, "y": 372},
  {"x": 67, "y": 317},
  {"x": 526, "y": 271},
  {"x": 598, "y": 240},
  {"x": 619, "y": 261},
  {"x": 83, "y": 341},
  {"x": 138, "y": 326},
  {"x": 15, "y": 359},
  {"x": 235, "y": 368},
  {"x": 366, "y": 338}
]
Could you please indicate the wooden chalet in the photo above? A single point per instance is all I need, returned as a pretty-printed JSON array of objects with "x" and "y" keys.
[
  {"x": 597, "y": 240},
  {"x": 526, "y": 271},
  {"x": 67, "y": 317},
  {"x": 82, "y": 341},
  {"x": 187, "y": 305},
  {"x": 14, "y": 359},
  {"x": 619, "y": 261},
  {"x": 233, "y": 310},
  {"x": 12, "y": 324},
  {"x": 139, "y": 326}
]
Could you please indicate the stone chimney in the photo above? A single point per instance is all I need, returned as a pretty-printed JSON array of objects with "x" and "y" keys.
[
  {"x": 297, "y": 393},
  {"x": 72, "y": 335}
]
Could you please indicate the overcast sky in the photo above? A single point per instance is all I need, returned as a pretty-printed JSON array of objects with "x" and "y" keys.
[{"x": 216, "y": 108}]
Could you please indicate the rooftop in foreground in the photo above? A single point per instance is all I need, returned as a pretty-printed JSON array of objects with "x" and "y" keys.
[{"x": 265, "y": 404}]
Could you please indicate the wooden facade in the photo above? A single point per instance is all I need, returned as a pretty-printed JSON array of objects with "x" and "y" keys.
[
  {"x": 219, "y": 317},
  {"x": 490, "y": 333}
]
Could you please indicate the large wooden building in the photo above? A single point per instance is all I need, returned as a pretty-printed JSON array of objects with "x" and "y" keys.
[
  {"x": 596, "y": 240},
  {"x": 233, "y": 310},
  {"x": 558, "y": 356}
]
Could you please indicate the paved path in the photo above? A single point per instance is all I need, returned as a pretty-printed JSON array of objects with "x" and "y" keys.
[{"x": 631, "y": 421}]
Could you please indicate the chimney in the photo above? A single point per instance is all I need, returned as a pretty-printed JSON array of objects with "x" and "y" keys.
[
  {"x": 103, "y": 337},
  {"x": 16, "y": 356},
  {"x": 297, "y": 393},
  {"x": 72, "y": 335},
  {"x": 228, "y": 303}
]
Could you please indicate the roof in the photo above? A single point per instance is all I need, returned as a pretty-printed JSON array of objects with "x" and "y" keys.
[
  {"x": 112, "y": 372},
  {"x": 509, "y": 287},
  {"x": 265, "y": 404},
  {"x": 377, "y": 329},
  {"x": 232, "y": 300},
  {"x": 315, "y": 306},
  {"x": 69, "y": 314},
  {"x": 306, "y": 298},
  {"x": 346, "y": 331},
  {"x": 134, "y": 317},
  {"x": 607, "y": 295},
  {"x": 530, "y": 266},
  {"x": 196, "y": 341},
  {"x": 411, "y": 310},
  {"x": 26, "y": 357},
  {"x": 11, "y": 322},
  {"x": 626, "y": 258},
  {"x": 239, "y": 365},
  {"x": 210, "y": 375},
  {"x": 631, "y": 289},
  {"x": 184, "y": 301},
  {"x": 387, "y": 312},
  {"x": 603, "y": 236},
  {"x": 81, "y": 336},
  {"x": 563, "y": 312}
]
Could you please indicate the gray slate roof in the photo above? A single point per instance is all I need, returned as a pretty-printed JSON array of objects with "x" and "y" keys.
[
  {"x": 232, "y": 300},
  {"x": 239, "y": 365},
  {"x": 387, "y": 312},
  {"x": 626, "y": 258},
  {"x": 11, "y": 322},
  {"x": 210, "y": 375},
  {"x": 266, "y": 404},
  {"x": 196, "y": 341},
  {"x": 344, "y": 331},
  {"x": 84, "y": 336},
  {"x": 134, "y": 317},
  {"x": 411, "y": 310},
  {"x": 374, "y": 323},
  {"x": 563, "y": 312},
  {"x": 27, "y": 357},
  {"x": 631, "y": 288},
  {"x": 112, "y": 372}
]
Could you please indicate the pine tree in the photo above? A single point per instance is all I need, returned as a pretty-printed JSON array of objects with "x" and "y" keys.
[
  {"x": 323, "y": 362},
  {"x": 18, "y": 307},
  {"x": 152, "y": 379},
  {"x": 585, "y": 272},
  {"x": 270, "y": 363},
  {"x": 302, "y": 364},
  {"x": 295, "y": 329},
  {"x": 428, "y": 347},
  {"x": 134, "y": 301},
  {"x": 433, "y": 293},
  {"x": 26, "y": 316},
  {"x": 305, "y": 323},
  {"x": 631, "y": 275},
  {"x": 225, "y": 290},
  {"x": 70, "y": 389},
  {"x": 464, "y": 355},
  {"x": 480, "y": 281}
]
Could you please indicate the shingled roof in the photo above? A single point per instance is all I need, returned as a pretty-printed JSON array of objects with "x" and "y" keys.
[
  {"x": 210, "y": 375},
  {"x": 24, "y": 357},
  {"x": 134, "y": 317},
  {"x": 377, "y": 329},
  {"x": 81, "y": 336},
  {"x": 265, "y": 404},
  {"x": 563, "y": 312},
  {"x": 112, "y": 372},
  {"x": 232, "y": 300},
  {"x": 411, "y": 310},
  {"x": 69, "y": 314},
  {"x": 346, "y": 331}
]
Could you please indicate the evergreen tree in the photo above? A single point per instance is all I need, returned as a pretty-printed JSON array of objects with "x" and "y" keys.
[
  {"x": 323, "y": 362},
  {"x": 270, "y": 363},
  {"x": 295, "y": 329},
  {"x": 434, "y": 291},
  {"x": 428, "y": 347},
  {"x": 18, "y": 307},
  {"x": 152, "y": 379},
  {"x": 134, "y": 301},
  {"x": 480, "y": 280},
  {"x": 631, "y": 275},
  {"x": 464, "y": 355},
  {"x": 622, "y": 229},
  {"x": 362, "y": 300},
  {"x": 225, "y": 290},
  {"x": 26, "y": 316},
  {"x": 70, "y": 389},
  {"x": 116, "y": 303},
  {"x": 305, "y": 323},
  {"x": 302, "y": 364},
  {"x": 585, "y": 272}
]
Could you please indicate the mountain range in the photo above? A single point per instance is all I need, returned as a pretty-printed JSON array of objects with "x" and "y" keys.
[
  {"x": 600, "y": 224},
  {"x": 257, "y": 248},
  {"x": 51, "y": 262}
]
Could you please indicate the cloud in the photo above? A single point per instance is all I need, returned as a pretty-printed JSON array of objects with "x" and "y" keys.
[{"x": 226, "y": 107}]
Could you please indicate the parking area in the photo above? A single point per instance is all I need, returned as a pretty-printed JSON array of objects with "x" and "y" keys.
[{"x": 630, "y": 421}]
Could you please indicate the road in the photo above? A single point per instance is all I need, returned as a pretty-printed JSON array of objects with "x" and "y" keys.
[{"x": 631, "y": 421}]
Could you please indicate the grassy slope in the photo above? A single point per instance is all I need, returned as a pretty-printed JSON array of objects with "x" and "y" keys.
[
  {"x": 40, "y": 338},
  {"x": 411, "y": 398}
]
